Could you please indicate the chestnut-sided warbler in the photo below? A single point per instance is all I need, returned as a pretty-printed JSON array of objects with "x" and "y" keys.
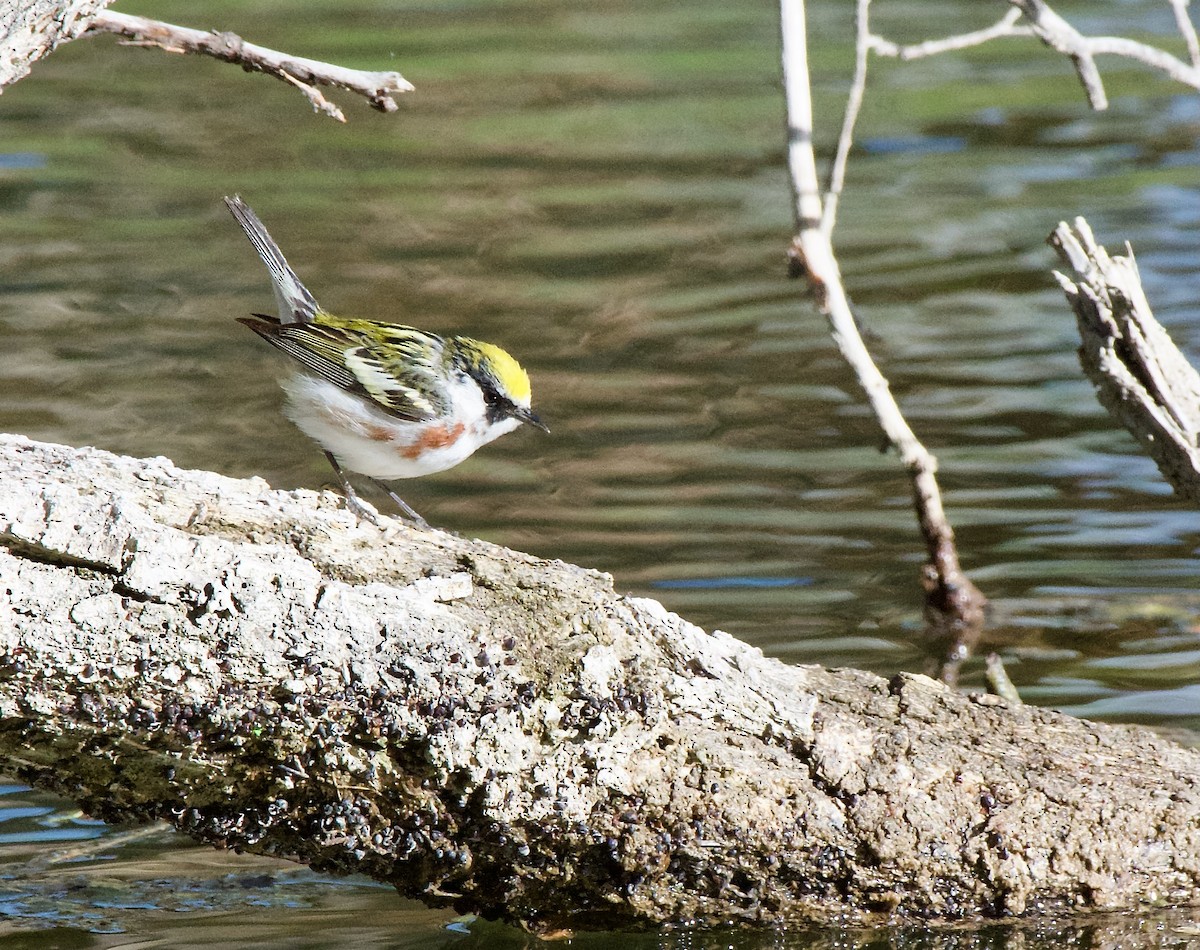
[{"x": 384, "y": 400}]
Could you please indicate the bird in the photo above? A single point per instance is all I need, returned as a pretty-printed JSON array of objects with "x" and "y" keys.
[{"x": 383, "y": 400}]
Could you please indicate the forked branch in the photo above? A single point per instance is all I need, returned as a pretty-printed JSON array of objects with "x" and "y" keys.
[
  {"x": 951, "y": 598},
  {"x": 954, "y": 606},
  {"x": 1036, "y": 18}
]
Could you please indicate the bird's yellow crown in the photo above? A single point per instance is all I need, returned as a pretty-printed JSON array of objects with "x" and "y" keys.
[{"x": 513, "y": 380}]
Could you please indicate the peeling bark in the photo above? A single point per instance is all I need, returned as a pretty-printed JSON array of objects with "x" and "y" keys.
[
  {"x": 1141, "y": 377},
  {"x": 506, "y": 734}
]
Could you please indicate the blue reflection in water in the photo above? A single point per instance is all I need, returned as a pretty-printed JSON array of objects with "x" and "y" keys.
[
  {"x": 919, "y": 144},
  {"x": 22, "y": 160},
  {"x": 51, "y": 834},
  {"x": 718, "y": 583}
]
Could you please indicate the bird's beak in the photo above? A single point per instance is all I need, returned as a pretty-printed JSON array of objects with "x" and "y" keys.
[{"x": 527, "y": 416}]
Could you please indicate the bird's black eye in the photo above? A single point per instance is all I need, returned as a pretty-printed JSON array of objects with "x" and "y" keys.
[{"x": 498, "y": 406}]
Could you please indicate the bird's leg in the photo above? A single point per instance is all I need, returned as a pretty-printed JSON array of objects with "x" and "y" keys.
[
  {"x": 402, "y": 505},
  {"x": 352, "y": 500},
  {"x": 355, "y": 504}
]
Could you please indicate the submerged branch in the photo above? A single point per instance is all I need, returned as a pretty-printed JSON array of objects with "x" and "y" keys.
[{"x": 377, "y": 88}]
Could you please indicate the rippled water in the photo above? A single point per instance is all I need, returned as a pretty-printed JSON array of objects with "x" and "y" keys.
[{"x": 600, "y": 188}]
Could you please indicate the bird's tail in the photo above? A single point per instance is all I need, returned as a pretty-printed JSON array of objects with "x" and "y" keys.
[{"x": 296, "y": 304}]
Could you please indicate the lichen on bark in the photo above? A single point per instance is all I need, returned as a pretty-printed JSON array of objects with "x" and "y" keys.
[{"x": 508, "y": 735}]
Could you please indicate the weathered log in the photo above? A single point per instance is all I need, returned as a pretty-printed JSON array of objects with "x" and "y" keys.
[
  {"x": 506, "y": 734},
  {"x": 1141, "y": 378}
]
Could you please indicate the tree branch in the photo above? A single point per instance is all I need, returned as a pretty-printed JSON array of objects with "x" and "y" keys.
[
  {"x": 858, "y": 87},
  {"x": 1041, "y": 21},
  {"x": 305, "y": 74},
  {"x": 508, "y": 735},
  {"x": 1005, "y": 27},
  {"x": 1187, "y": 29},
  {"x": 1141, "y": 377},
  {"x": 1061, "y": 36},
  {"x": 954, "y": 606}
]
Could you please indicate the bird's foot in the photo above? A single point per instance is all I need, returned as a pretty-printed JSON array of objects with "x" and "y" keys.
[
  {"x": 361, "y": 509},
  {"x": 409, "y": 512}
]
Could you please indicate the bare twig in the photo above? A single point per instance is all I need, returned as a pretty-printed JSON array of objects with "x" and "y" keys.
[
  {"x": 305, "y": 74},
  {"x": 313, "y": 95},
  {"x": 953, "y": 603},
  {"x": 998, "y": 681},
  {"x": 1059, "y": 35},
  {"x": 1035, "y": 18},
  {"x": 1161, "y": 60},
  {"x": 802, "y": 159},
  {"x": 837, "y": 173},
  {"x": 1141, "y": 377},
  {"x": 1005, "y": 27},
  {"x": 1188, "y": 29}
]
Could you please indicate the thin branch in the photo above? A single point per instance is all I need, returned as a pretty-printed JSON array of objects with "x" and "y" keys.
[
  {"x": 1161, "y": 60},
  {"x": 802, "y": 159},
  {"x": 998, "y": 681},
  {"x": 313, "y": 95},
  {"x": 1059, "y": 35},
  {"x": 954, "y": 606},
  {"x": 1188, "y": 29},
  {"x": 1006, "y": 26},
  {"x": 1035, "y": 18},
  {"x": 305, "y": 74},
  {"x": 837, "y": 173}
]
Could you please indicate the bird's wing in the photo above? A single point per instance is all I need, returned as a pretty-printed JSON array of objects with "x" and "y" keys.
[
  {"x": 402, "y": 378},
  {"x": 296, "y": 304}
]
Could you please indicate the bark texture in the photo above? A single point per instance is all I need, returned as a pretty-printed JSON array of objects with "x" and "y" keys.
[
  {"x": 507, "y": 734},
  {"x": 31, "y": 30},
  {"x": 1141, "y": 378}
]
